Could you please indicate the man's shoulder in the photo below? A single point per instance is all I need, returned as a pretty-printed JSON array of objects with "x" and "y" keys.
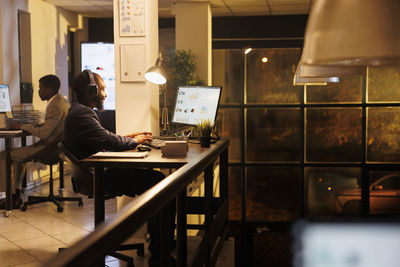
[
  {"x": 77, "y": 109},
  {"x": 60, "y": 101}
]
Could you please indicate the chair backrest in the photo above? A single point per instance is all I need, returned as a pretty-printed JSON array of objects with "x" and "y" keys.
[
  {"x": 82, "y": 177},
  {"x": 68, "y": 153}
]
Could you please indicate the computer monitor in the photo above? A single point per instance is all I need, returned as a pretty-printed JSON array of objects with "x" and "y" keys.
[
  {"x": 196, "y": 103},
  {"x": 5, "y": 103},
  {"x": 344, "y": 244}
]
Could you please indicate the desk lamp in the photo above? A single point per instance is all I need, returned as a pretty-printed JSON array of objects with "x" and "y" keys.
[{"x": 157, "y": 75}]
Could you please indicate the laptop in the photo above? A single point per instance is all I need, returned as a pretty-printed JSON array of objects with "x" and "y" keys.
[{"x": 346, "y": 244}]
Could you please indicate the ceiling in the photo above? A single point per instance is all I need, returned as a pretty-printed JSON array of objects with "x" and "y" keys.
[{"x": 104, "y": 8}]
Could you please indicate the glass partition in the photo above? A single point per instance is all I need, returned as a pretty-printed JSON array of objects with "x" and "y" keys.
[
  {"x": 273, "y": 194},
  {"x": 333, "y": 134},
  {"x": 270, "y": 76},
  {"x": 273, "y": 135}
]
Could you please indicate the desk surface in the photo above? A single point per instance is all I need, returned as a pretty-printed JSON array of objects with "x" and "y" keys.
[
  {"x": 154, "y": 160},
  {"x": 10, "y": 133}
]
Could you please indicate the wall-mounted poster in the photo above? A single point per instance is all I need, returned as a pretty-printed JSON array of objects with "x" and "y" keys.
[{"x": 131, "y": 18}]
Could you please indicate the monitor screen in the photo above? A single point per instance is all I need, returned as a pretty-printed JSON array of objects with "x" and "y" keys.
[
  {"x": 5, "y": 103},
  {"x": 99, "y": 58},
  {"x": 196, "y": 103}
]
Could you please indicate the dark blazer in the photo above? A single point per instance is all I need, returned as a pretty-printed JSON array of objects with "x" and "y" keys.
[{"x": 85, "y": 136}]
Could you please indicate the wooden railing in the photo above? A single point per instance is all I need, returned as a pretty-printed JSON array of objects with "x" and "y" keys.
[{"x": 110, "y": 234}]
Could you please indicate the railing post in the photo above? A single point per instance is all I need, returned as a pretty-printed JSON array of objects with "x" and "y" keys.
[
  {"x": 223, "y": 175},
  {"x": 181, "y": 229},
  {"x": 98, "y": 191},
  {"x": 165, "y": 236},
  {"x": 208, "y": 193}
]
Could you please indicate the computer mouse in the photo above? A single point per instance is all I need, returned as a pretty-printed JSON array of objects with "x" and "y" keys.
[{"x": 142, "y": 148}]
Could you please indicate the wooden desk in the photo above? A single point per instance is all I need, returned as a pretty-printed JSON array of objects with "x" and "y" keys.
[
  {"x": 111, "y": 234},
  {"x": 8, "y": 135},
  {"x": 154, "y": 160}
]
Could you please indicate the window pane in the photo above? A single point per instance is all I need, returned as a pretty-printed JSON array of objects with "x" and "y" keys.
[
  {"x": 272, "y": 81},
  {"x": 348, "y": 90},
  {"x": 273, "y": 194},
  {"x": 385, "y": 192},
  {"x": 273, "y": 134},
  {"x": 383, "y": 84},
  {"x": 227, "y": 71},
  {"x": 235, "y": 193},
  {"x": 332, "y": 191},
  {"x": 333, "y": 135},
  {"x": 229, "y": 125},
  {"x": 383, "y": 134}
]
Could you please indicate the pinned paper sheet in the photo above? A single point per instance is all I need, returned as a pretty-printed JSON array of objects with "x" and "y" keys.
[{"x": 133, "y": 62}]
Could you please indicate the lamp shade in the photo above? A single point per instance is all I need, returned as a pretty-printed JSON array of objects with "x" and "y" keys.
[
  {"x": 315, "y": 71},
  {"x": 156, "y": 74},
  {"x": 299, "y": 80},
  {"x": 353, "y": 33}
]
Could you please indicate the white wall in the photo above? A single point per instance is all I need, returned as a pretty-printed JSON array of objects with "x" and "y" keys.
[
  {"x": 50, "y": 26},
  {"x": 49, "y": 35},
  {"x": 9, "y": 62},
  {"x": 9, "y": 67},
  {"x": 137, "y": 102}
]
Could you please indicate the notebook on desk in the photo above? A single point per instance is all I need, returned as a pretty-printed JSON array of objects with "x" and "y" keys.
[{"x": 126, "y": 154}]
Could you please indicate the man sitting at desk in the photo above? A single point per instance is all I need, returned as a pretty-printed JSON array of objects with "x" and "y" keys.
[
  {"x": 85, "y": 136},
  {"x": 49, "y": 131}
]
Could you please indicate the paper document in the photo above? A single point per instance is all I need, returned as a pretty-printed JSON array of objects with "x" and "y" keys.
[{"x": 121, "y": 154}]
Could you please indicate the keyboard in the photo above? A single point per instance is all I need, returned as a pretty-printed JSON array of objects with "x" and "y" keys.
[{"x": 156, "y": 143}]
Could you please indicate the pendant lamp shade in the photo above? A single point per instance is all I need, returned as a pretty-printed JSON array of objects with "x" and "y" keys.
[
  {"x": 353, "y": 33},
  {"x": 322, "y": 80},
  {"x": 313, "y": 71}
]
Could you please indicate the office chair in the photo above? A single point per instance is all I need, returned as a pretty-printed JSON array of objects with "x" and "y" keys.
[
  {"x": 87, "y": 190},
  {"x": 49, "y": 155}
]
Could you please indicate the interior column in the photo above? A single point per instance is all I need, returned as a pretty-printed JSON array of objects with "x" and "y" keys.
[{"x": 193, "y": 22}]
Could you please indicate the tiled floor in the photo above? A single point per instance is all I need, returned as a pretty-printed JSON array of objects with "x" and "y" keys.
[{"x": 30, "y": 238}]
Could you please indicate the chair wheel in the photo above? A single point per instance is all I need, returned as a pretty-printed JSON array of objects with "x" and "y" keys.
[
  {"x": 80, "y": 204},
  {"x": 140, "y": 252},
  {"x": 24, "y": 207},
  {"x": 60, "y": 209}
]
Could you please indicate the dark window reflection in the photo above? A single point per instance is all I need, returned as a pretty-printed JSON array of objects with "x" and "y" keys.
[
  {"x": 333, "y": 134},
  {"x": 227, "y": 71},
  {"x": 229, "y": 121},
  {"x": 384, "y": 192},
  {"x": 348, "y": 90},
  {"x": 235, "y": 194},
  {"x": 332, "y": 191},
  {"x": 274, "y": 134},
  {"x": 272, "y": 81},
  {"x": 383, "y": 134},
  {"x": 383, "y": 84},
  {"x": 273, "y": 194}
]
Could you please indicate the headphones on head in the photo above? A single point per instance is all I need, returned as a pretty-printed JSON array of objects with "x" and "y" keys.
[{"x": 92, "y": 86}]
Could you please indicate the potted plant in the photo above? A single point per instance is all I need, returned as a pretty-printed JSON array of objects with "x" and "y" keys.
[
  {"x": 203, "y": 128},
  {"x": 181, "y": 68}
]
